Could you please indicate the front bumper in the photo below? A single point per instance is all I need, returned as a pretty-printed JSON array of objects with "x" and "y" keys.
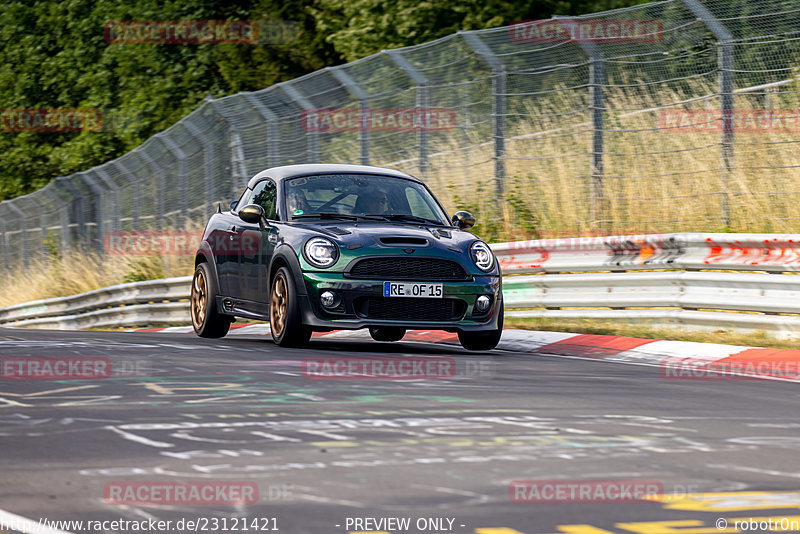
[{"x": 351, "y": 313}]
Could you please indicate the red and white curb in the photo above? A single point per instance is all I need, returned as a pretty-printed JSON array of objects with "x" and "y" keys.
[{"x": 677, "y": 359}]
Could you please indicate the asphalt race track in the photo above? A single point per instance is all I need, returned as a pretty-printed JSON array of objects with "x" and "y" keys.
[{"x": 363, "y": 455}]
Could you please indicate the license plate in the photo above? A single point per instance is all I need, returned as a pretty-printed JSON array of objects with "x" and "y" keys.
[{"x": 411, "y": 289}]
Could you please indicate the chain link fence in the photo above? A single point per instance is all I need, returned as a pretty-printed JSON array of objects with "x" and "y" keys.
[{"x": 670, "y": 116}]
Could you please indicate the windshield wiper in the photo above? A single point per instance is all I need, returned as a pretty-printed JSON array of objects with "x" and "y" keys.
[{"x": 406, "y": 217}]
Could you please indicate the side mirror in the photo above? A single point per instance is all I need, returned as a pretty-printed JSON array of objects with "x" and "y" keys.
[
  {"x": 463, "y": 220},
  {"x": 253, "y": 213}
]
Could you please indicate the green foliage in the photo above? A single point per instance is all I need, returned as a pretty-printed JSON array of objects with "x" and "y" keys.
[
  {"x": 358, "y": 28},
  {"x": 53, "y": 55},
  {"x": 145, "y": 268}
]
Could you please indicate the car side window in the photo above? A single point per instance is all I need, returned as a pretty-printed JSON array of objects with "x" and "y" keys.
[{"x": 264, "y": 194}]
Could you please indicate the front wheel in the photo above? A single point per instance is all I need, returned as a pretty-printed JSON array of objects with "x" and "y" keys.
[
  {"x": 206, "y": 319},
  {"x": 482, "y": 340},
  {"x": 286, "y": 325}
]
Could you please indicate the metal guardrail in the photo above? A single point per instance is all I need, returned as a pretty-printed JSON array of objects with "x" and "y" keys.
[
  {"x": 137, "y": 303},
  {"x": 730, "y": 281}
]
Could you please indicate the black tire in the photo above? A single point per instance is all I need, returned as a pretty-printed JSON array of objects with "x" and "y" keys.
[
  {"x": 482, "y": 340},
  {"x": 206, "y": 319},
  {"x": 286, "y": 324},
  {"x": 387, "y": 333}
]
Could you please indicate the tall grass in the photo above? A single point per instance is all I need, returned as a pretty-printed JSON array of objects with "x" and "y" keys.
[{"x": 654, "y": 179}]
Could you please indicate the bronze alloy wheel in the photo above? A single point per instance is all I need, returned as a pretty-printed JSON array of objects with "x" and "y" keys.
[
  {"x": 278, "y": 305},
  {"x": 199, "y": 298},
  {"x": 206, "y": 320}
]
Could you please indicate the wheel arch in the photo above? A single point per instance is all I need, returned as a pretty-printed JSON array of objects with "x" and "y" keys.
[{"x": 285, "y": 256}]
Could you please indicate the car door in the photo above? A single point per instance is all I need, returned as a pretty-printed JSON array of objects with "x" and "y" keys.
[
  {"x": 255, "y": 251},
  {"x": 223, "y": 242}
]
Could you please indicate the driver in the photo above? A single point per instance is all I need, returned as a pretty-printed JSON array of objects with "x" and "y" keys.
[
  {"x": 298, "y": 204},
  {"x": 376, "y": 203}
]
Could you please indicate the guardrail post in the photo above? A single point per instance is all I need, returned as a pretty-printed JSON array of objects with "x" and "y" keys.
[
  {"x": 597, "y": 80},
  {"x": 273, "y": 151},
  {"x": 423, "y": 102},
  {"x": 498, "y": 106},
  {"x": 23, "y": 228},
  {"x": 725, "y": 66},
  {"x": 363, "y": 104},
  {"x": 194, "y": 131},
  {"x": 311, "y": 137}
]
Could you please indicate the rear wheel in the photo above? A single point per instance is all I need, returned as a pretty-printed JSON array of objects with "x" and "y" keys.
[
  {"x": 482, "y": 340},
  {"x": 387, "y": 333},
  {"x": 286, "y": 325},
  {"x": 206, "y": 319}
]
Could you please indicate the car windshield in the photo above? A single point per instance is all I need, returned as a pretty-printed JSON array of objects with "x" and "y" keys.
[{"x": 361, "y": 197}]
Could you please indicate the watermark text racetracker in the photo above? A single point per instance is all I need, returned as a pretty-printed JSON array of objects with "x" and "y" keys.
[
  {"x": 331, "y": 120},
  {"x": 201, "y": 32},
  {"x": 740, "y": 121},
  {"x": 148, "y": 243},
  {"x": 688, "y": 369},
  {"x": 70, "y": 368},
  {"x": 66, "y": 120},
  {"x": 586, "y": 30},
  {"x": 386, "y": 368}
]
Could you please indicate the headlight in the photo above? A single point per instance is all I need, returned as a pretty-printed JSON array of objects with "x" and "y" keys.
[
  {"x": 321, "y": 252},
  {"x": 482, "y": 255}
]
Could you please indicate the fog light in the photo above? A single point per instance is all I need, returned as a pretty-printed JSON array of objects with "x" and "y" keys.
[
  {"x": 482, "y": 304},
  {"x": 327, "y": 299}
]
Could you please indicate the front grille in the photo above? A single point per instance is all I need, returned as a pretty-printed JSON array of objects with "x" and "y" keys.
[
  {"x": 402, "y": 268},
  {"x": 409, "y": 309}
]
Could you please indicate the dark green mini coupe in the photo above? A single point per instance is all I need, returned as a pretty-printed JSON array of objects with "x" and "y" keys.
[{"x": 331, "y": 247}]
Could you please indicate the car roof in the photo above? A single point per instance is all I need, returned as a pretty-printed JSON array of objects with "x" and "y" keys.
[{"x": 291, "y": 171}]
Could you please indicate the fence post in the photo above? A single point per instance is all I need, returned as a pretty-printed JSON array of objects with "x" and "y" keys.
[
  {"x": 498, "y": 106},
  {"x": 42, "y": 218},
  {"x": 98, "y": 212},
  {"x": 273, "y": 152},
  {"x": 157, "y": 175},
  {"x": 62, "y": 214},
  {"x": 238, "y": 162},
  {"x": 134, "y": 181},
  {"x": 312, "y": 137},
  {"x": 183, "y": 192},
  {"x": 423, "y": 102},
  {"x": 5, "y": 243},
  {"x": 194, "y": 131},
  {"x": 597, "y": 80},
  {"x": 114, "y": 187},
  {"x": 23, "y": 229},
  {"x": 363, "y": 104},
  {"x": 77, "y": 196},
  {"x": 725, "y": 66}
]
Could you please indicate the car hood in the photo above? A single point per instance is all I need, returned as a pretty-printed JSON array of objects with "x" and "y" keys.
[{"x": 394, "y": 234}]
